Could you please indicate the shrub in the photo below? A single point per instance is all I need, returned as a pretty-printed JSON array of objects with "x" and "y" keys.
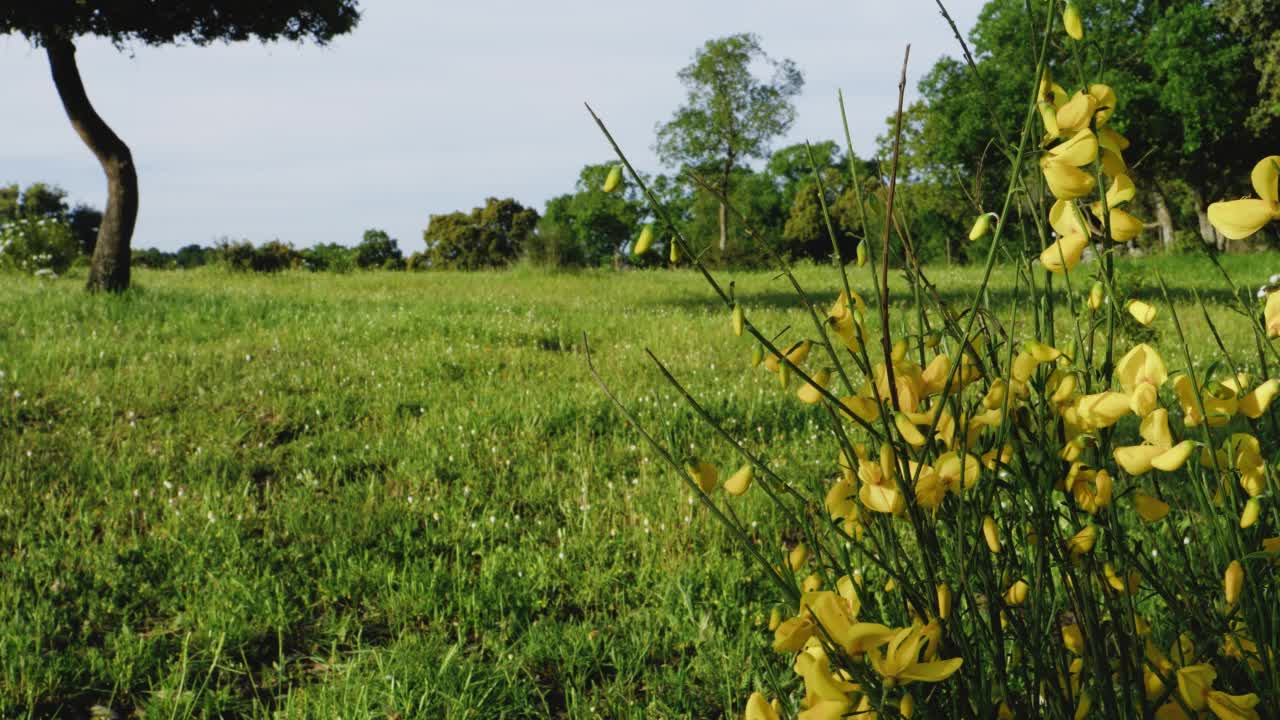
[
  {"x": 328, "y": 257},
  {"x": 1042, "y": 517},
  {"x": 242, "y": 256},
  {"x": 37, "y": 245}
]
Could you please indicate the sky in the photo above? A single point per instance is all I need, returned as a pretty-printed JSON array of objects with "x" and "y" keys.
[{"x": 430, "y": 107}]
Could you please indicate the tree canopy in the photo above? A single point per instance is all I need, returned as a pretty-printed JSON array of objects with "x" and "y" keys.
[{"x": 195, "y": 21}]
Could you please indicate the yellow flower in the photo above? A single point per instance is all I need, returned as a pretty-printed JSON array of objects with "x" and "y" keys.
[
  {"x": 797, "y": 556},
  {"x": 900, "y": 663},
  {"x": 797, "y": 354},
  {"x": 1256, "y": 402},
  {"x": 1124, "y": 227},
  {"x": 1194, "y": 684},
  {"x": 1238, "y": 219},
  {"x": 1142, "y": 312},
  {"x": 1065, "y": 253},
  {"x": 1091, "y": 488},
  {"x": 1272, "y": 314},
  {"x": 1232, "y": 707},
  {"x": 1066, "y": 181},
  {"x": 1101, "y": 410},
  {"x": 1073, "y": 639},
  {"x": 758, "y": 708},
  {"x": 704, "y": 474},
  {"x": 614, "y": 179},
  {"x": 1075, "y": 114},
  {"x": 1017, "y": 593},
  {"x": 738, "y": 482},
  {"x": 1158, "y": 452},
  {"x": 1106, "y": 100},
  {"x": 1149, "y": 508},
  {"x": 846, "y": 321},
  {"x": 1071, "y": 22},
  {"x": 1143, "y": 371},
  {"x": 1232, "y": 582},
  {"x": 1078, "y": 151},
  {"x": 793, "y": 633},
  {"x": 1065, "y": 219},
  {"x": 823, "y": 691},
  {"x": 809, "y": 393},
  {"x": 1082, "y": 542}
]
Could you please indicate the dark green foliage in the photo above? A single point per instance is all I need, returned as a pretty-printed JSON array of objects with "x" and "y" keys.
[
  {"x": 489, "y": 236},
  {"x": 730, "y": 116},
  {"x": 589, "y": 226},
  {"x": 84, "y": 220},
  {"x": 379, "y": 250},
  {"x": 270, "y": 257},
  {"x": 125, "y": 21},
  {"x": 328, "y": 257}
]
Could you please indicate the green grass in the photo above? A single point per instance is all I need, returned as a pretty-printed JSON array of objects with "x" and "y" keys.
[{"x": 403, "y": 495}]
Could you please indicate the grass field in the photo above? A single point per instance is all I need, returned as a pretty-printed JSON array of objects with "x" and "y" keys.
[{"x": 402, "y": 495}]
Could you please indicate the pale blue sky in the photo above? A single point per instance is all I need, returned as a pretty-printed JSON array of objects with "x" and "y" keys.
[{"x": 430, "y": 107}]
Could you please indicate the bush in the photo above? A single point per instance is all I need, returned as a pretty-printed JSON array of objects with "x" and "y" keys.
[
  {"x": 1038, "y": 519},
  {"x": 242, "y": 256},
  {"x": 37, "y": 245},
  {"x": 329, "y": 257}
]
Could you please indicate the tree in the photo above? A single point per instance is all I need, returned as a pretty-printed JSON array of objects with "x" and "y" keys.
[
  {"x": 377, "y": 250},
  {"x": 490, "y": 236},
  {"x": 730, "y": 116},
  {"x": 55, "y": 24},
  {"x": 588, "y": 226}
]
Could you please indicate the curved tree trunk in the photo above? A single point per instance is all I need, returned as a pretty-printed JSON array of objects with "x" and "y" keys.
[{"x": 109, "y": 268}]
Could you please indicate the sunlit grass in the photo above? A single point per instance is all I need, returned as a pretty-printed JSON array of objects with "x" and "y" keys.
[{"x": 402, "y": 494}]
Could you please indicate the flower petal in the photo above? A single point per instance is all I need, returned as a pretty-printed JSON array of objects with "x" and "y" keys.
[
  {"x": 1064, "y": 254},
  {"x": 1238, "y": 219},
  {"x": 1266, "y": 179}
]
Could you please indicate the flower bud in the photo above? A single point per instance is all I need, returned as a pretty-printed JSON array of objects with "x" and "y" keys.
[
  {"x": 1142, "y": 312},
  {"x": 757, "y": 356},
  {"x": 644, "y": 241},
  {"x": 1071, "y": 22},
  {"x": 739, "y": 318},
  {"x": 862, "y": 253},
  {"x": 907, "y": 706},
  {"x": 675, "y": 251},
  {"x": 1017, "y": 593},
  {"x": 1095, "y": 296},
  {"x": 775, "y": 619},
  {"x": 991, "y": 533},
  {"x": 614, "y": 179},
  {"x": 738, "y": 482},
  {"x": 1250, "y": 515},
  {"x": 981, "y": 226},
  {"x": 797, "y": 557},
  {"x": 944, "y": 600},
  {"x": 1233, "y": 581}
]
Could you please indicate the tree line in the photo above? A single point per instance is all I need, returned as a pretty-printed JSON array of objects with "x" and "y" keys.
[{"x": 1202, "y": 94}]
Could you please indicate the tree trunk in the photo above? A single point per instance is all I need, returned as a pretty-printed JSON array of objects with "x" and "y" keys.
[
  {"x": 1208, "y": 232},
  {"x": 1164, "y": 221},
  {"x": 109, "y": 268}
]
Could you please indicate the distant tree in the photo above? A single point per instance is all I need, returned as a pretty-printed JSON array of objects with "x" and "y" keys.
[
  {"x": 730, "y": 116},
  {"x": 1259, "y": 24},
  {"x": 191, "y": 256},
  {"x": 329, "y": 257},
  {"x": 378, "y": 250},
  {"x": 588, "y": 226},
  {"x": 85, "y": 221},
  {"x": 44, "y": 200},
  {"x": 55, "y": 24},
  {"x": 490, "y": 236}
]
